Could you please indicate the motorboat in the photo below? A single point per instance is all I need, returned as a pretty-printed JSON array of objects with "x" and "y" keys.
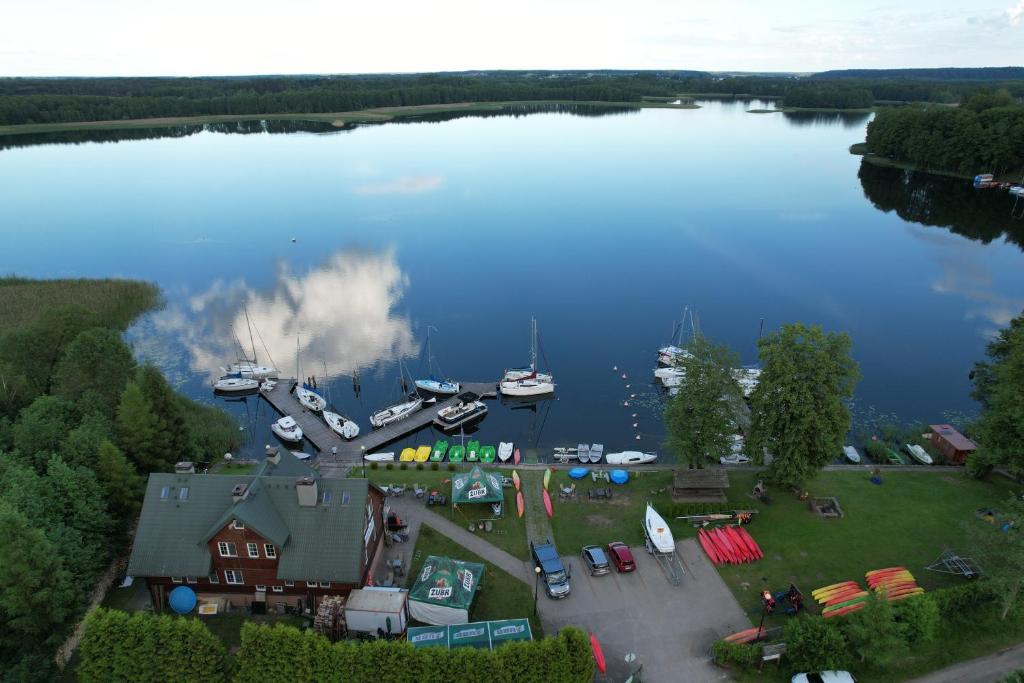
[
  {"x": 235, "y": 384},
  {"x": 596, "y": 453},
  {"x": 505, "y": 451},
  {"x": 437, "y": 386},
  {"x": 659, "y": 536},
  {"x": 309, "y": 398},
  {"x": 851, "y": 454},
  {"x": 341, "y": 424},
  {"x": 379, "y": 457},
  {"x": 460, "y": 413},
  {"x": 630, "y": 458},
  {"x": 748, "y": 379},
  {"x": 527, "y": 381},
  {"x": 583, "y": 452},
  {"x": 395, "y": 413},
  {"x": 919, "y": 454},
  {"x": 287, "y": 429}
]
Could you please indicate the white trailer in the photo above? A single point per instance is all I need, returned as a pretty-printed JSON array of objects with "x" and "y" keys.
[{"x": 372, "y": 608}]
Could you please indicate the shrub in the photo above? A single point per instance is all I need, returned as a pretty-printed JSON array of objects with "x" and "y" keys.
[
  {"x": 419, "y": 466},
  {"x": 1015, "y": 677},
  {"x": 435, "y": 466},
  {"x": 919, "y": 616},
  {"x": 876, "y": 451},
  {"x": 451, "y": 467},
  {"x": 743, "y": 655},
  {"x": 815, "y": 644},
  {"x": 389, "y": 466},
  {"x": 980, "y": 464},
  {"x": 953, "y": 602},
  {"x": 403, "y": 466},
  {"x": 374, "y": 465}
]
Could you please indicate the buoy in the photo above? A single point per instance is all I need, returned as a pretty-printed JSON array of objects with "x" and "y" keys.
[
  {"x": 627, "y": 386},
  {"x": 615, "y": 368},
  {"x": 632, "y": 395},
  {"x": 293, "y": 240},
  {"x": 634, "y": 414},
  {"x": 625, "y": 403},
  {"x": 637, "y": 437},
  {"x": 635, "y": 425},
  {"x": 623, "y": 375}
]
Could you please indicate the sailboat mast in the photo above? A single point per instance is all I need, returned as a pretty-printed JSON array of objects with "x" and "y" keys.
[
  {"x": 251, "y": 340},
  {"x": 533, "y": 344}
]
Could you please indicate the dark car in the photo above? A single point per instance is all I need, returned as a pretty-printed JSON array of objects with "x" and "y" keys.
[
  {"x": 621, "y": 556},
  {"x": 594, "y": 560}
]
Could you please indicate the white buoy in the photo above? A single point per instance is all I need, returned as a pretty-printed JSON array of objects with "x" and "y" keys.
[
  {"x": 637, "y": 437},
  {"x": 635, "y": 425},
  {"x": 625, "y": 403},
  {"x": 615, "y": 368},
  {"x": 623, "y": 375},
  {"x": 293, "y": 240},
  {"x": 632, "y": 395},
  {"x": 627, "y": 386},
  {"x": 634, "y": 414}
]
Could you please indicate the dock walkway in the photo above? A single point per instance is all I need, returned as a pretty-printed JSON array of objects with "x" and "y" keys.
[{"x": 283, "y": 400}]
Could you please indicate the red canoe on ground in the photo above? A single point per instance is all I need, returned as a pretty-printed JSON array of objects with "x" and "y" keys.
[
  {"x": 721, "y": 548},
  {"x": 722, "y": 542},
  {"x": 738, "y": 539},
  {"x": 598, "y": 654},
  {"x": 709, "y": 547},
  {"x": 751, "y": 542},
  {"x": 547, "y": 503}
]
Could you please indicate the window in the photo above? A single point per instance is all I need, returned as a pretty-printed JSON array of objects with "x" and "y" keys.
[
  {"x": 277, "y": 589},
  {"x": 183, "y": 493},
  {"x": 327, "y": 497},
  {"x": 345, "y": 497},
  {"x": 289, "y": 583},
  {"x": 311, "y": 584},
  {"x": 235, "y": 524},
  {"x": 270, "y": 550},
  {"x": 191, "y": 579},
  {"x": 175, "y": 579},
  {"x": 214, "y": 578},
  {"x": 227, "y": 549},
  {"x": 165, "y": 493},
  {"x": 261, "y": 587},
  {"x": 254, "y": 550},
  {"x": 233, "y": 576},
  {"x": 325, "y": 584}
]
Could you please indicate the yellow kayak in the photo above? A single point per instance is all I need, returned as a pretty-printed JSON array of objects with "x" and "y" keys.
[
  {"x": 515, "y": 479},
  {"x": 547, "y": 478},
  {"x": 423, "y": 453},
  {"x": 408, "y": 455}
]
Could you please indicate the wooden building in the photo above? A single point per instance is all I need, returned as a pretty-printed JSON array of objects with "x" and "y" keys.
[
  {"x": 706, "y": 485},
  {"x": 953, "y": 445}
]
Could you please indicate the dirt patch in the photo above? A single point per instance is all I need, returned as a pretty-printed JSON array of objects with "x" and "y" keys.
[
  {"x": 598, "y": 520},
  {"x": 618, "y": 499},
  {"x": 952, "y": 480}
]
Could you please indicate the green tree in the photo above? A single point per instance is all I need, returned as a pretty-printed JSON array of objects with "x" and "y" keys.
[
  {"x": 123, "y": 486},
  {"x": 998, "y": 383},
  {"x": 35, "y": 350},
  {"x": 701, "y": 418},
  {"x": 167, "y": 405},
  {"x": 41, "y": 428},
  {"x": 798, "y": 412},
  {"x": 82, "y": 443},
  {"x": 94, "y": 370},
  {"x": 139, "y": 430},
  {"x": 815, "y": 644},
  {"x": 920, "y": 618},
  {"x": 1001, "y": 552},
  {"x": 874, "y": 634}
]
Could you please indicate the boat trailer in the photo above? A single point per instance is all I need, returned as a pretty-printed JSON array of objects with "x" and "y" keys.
[{"x": 670, "y": 564}]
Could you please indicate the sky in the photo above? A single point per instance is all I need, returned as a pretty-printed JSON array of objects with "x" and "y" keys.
[{"x": 226, "y": 37}]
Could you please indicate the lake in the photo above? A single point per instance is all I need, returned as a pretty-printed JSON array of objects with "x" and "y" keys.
[{"x": 604, "y": 227}]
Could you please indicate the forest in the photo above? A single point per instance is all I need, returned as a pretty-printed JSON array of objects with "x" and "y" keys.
[
  {"x": 984, "y": 135},
  {"x": 81, "y": 425}
]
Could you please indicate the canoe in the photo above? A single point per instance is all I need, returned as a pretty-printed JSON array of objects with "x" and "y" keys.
[
  {"x": 440, "y": 448},
  {"x": 892, "y": 580},
  {"x": 504, "y": 451},
  {"x": 912, "y": 590},
  {"x": 423, "y": 453},
  {"x": 742, "y": 551},
  {"x": 823, "y": 597},
  {"x": 843, "y": 597},
  {"x": 750, "y": 541},
  {"x": 894, "y": 457},
  {"x": 873, "y": 572},
  {"x": 472, "y": 451},
  {"x": 408, "y": 455},
  {"x": 515, "y": 479},
  {"x": 487, "y": 454},
  {"x": 825, "y": 589},
  {"x": 515, "y": 456},
  {"x": 547, "y": 478},
  {"x": 750, "y": 635},
  {"x": 725, "y": 547},
  {"x": 456, "y": 453},
  {"x": 598, "y": 654},
  {"x": 844, "y": 610},
  {"x": 844, "y": 603},
  {"x": 578, "y": 472},
  {"x": 904, "y": 596},
  {"x": 520, "y": 506},
  {"x": 709, "y": 548},
  {"x": 547, "y": 503},
  {"x": 619, "y": 476}
]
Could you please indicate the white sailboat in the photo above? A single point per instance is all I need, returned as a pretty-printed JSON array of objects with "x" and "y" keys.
[
  {"x": 250, "y": 367},
  {"x": 287, "y": 429},
  {"x": 630, "y": 458},
  {"x": 339, "y": 424},
  {"x": 532, "y": 384},
  {"x": 399, "y": 411},
  {"x": 307, "y": 395},
  {"x": 659, "y": 536},
  {"x": 432, "y": 384},
  {"x": 674, "y": 353},
  {"x": 235, "y": 384}
]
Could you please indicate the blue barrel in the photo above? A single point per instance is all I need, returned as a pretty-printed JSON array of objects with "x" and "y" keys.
[{"x": 182, "y": 600}]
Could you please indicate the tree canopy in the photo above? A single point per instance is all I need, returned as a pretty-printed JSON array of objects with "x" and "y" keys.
[{"x": 999, "y": 388}]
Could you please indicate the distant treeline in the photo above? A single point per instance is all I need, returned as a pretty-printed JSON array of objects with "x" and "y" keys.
[
  {"x": 986, "y": 134},
  {"x": 988, "y": 73}
]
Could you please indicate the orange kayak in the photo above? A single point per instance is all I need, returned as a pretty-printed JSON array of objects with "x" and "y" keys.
[{"x": 519, "y": 503}]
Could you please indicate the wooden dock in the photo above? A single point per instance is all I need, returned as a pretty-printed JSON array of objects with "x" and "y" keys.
[{"x": 325, "y": 440}]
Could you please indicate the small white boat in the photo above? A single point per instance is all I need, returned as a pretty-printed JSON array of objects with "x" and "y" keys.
[
  {"x": 734, "y": 459},
  {"x": 562, "y": 454},
  {"x": 287, "y": 429},
  {"x": 919, "y": 454},
  {"x": 300, "y": 455},
  {"x": 748, "y": 379},
  {"x": 630, "y": 458},
  {"x": 310, "y": 399},
  {"x": 267, "y": 385},
  {"x": 596, "y": 452},
  {"x": 394, "y": 413},
  {"x": 248, "y": 368},
  {"x": 670, "y": 377},
  {"x": 459, "y": 414},
  {"x": 505, "y": 451},
  {"x": 341, "y": 424},
  {"x": 673, "y": 355},
  {"x": 437, "y": 386},
  {"x": 659, "y": 536},
  {"x": 379, "y": 457},
  {"x": 583, "y": 452},
  {"x": 234, "y": 384},
  {"x": 851, "y": 454}
]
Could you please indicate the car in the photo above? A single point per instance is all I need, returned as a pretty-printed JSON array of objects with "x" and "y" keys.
[
  {"x": 550, "y": 568},
  {"x": 825, "y": 677},
  {"x": 621, "y": 556},
  {"x": 594, "y": 560}
]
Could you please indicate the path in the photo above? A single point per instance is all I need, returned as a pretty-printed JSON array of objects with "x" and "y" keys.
[
  {"x": 538, "y": 526},
  {"x": 478, "y": 545},
  {"x": 981, "y": 670}
]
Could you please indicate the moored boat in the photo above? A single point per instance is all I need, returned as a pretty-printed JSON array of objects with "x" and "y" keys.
[
  {"x": 919, "y": 454},
  {"x": 505, "y": 451},
  {"x": 408, "y": 455},
  {"x": 472, "y": 451},
  {"x": 487, "y": 454},
  {"x": 423, "y": 453},
  {"x": 433, "y": 385},
  {"x": 456, "y": 453},
  {"x": 341, "y": 424},
  {"x": 630, "y": 458},
  {"x": 309, "y": 398},
  {"x": 596, "y": 453},
  {"x": 659, "y": 536},
  {"x": 287, "y": 429},
  {"x": 235, "y": 384},
  {"x": 466, "y": 410},
  {"x": 440, "y": 449},
  {"x": 247, "y": 368},
  {"x": 397, "y": 412},
  {"x": 748, "y": 379},
  {"x": 851, "y": 454},
  {"x": 518, "y": 382}
]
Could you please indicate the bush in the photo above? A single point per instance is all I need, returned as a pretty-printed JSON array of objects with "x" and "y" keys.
[
  {"x": 435, "y": 466},
  {"x": 451, "y": 467},
  {"x": 919, "y": 616},
  {"x": 374, "y": 465},
  {"x": 876, "y": 451},
  {"x": 815, "y": 644},
  {"x": 980, "y": 464},
  {"x": 1015, "y": 677},
  {"x": 953, "y": 602},
  {"x": 403, "y": 466},
  {"x": 389, "y": 466},
  {"x": 419, "y": 466},
  {"x": 743, "y": 655}
]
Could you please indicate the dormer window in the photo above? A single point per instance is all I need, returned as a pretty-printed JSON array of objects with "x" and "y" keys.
[
  {"x": 183, "y": 493},
  {"x": 235, "y": 524},
  {"x": 327, "y": 497},
  {"x": 165, "y": 493}
]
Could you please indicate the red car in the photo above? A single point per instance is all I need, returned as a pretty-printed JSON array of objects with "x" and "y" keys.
[{"x": 621, "y": 556}]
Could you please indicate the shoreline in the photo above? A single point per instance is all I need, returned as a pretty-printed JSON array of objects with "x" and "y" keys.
[
  {"x": 337, "y": 119},
  {"x": 860, "y": 149}
]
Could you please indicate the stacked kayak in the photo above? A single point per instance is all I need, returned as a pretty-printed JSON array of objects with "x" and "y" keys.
[
  {"x": 408, "y": 455},
  {"x": 750, "y": 635},
  {"x": 487, "y": 454},
  {"x": 893, "y": 583},
  {"x": 440, "y": 448},
  {"x": 840, "y": 598},
  {"x": 456, "y": 453},
  {"x": 729, "y": 545}
]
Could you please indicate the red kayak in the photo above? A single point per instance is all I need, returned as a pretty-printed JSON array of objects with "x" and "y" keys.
[
  {"x": 709, "y": 547},
  {"x": 908, "y": 594},
  {"x": 515, "y": 456},
  {"x": 844, "y": 610},
  {"x": 739, "y": 540},
  {"x": 751, "y": 542},
  {"x": 720, "y": 547},
  {"x": 742, "y": 553},
  {"x": 723, "y": 543},
  {"x": 547, "y": 503},
  {"x": 520, "y": 506},
  {"x": 748, "y": 636},
  {"x": 875, "y": 572},
  {"x": 844, "y": 597},
  {"x": 893, "y": 586},
  {"x": 893, "y": 592},
  {"x": 598, "y": 654}
]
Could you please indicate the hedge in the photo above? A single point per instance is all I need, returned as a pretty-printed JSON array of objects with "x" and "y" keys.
[
  {"x": 743, "y": 655},
  {"x": 284, "y": 654}
]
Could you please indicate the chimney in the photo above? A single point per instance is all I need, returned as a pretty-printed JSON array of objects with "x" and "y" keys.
[
  {"x": 305, "y": 489},
  {"x": 184, "y": 467},
  {"x": 273, "y": 455},
  {"x": 240, "y": 492}
]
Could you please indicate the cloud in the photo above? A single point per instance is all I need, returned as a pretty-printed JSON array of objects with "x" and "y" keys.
[
  {"x": 1016, "y": 13},
  {"x": 403, "y": 185}
]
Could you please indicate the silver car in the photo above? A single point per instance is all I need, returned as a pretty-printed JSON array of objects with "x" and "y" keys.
[{"x": 595, "y": 560}]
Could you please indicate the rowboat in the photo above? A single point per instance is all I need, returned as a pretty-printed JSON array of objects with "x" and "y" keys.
[
  {"x": 379, "y": 457},
  {"x": 515, "y": 479},
  {"x": 630, "y": 458},
  {"x": 504, "y": 451},
  {"x": 408, "y": 455},
  {"x": 423, "y": 453},
  {"x": 583, "y": 452},
  {"x": 547, "y": 503},
  {"x": 440, "y": 448},
  {"x": 487, "y": 454},
  {"x": 851, "y": 454},
  {"x": 547, "y": 478},
  {"x": 472, "y": 451},
  {"x": 456, "y": 453},
  {"x": 894, "y": 457},
  {"x": 520, "y": 506},
  {"x": 919, "y": 454},
  {"x": 287, "y": 429},
  {"x": 596, "y": 453},
  {"x": 659, "y": 536}
]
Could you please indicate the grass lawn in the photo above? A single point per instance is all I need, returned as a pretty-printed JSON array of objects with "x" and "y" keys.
[
  {"x": 500, "y": 596},
  {"x": 509, "y": 532}
]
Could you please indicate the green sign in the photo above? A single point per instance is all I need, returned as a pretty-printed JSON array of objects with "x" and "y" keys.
[
  {"x": 508, "y": 630},
  {"x": 469, "y": 635},
  {"x": 428, "y": 636}
]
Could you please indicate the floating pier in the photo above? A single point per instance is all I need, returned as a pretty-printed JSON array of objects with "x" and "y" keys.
[{"x": 324, "y": 439}]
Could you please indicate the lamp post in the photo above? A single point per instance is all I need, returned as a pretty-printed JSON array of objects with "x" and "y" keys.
[{"x": 536, "y": 585}]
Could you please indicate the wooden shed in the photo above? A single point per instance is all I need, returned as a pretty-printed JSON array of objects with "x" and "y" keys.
[
  {"x": 700, "y": 485},
  {"x": 951, "y": 443}
]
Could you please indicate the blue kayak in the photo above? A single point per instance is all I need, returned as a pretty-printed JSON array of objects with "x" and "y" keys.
[
  {"x": 578, "y": 472},
  {"x": 619, "y": 476}
]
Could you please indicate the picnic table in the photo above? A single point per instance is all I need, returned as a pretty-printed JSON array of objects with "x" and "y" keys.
[
  {"x": 599, "y": 493},
  {"x": 436, "y": 498}
]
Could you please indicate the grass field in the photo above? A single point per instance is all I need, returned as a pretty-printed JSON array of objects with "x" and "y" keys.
[
  {"x": 500, "y": 596},
  {"x": 509, "y": 532},
  {"x": 116, "y": 303}
]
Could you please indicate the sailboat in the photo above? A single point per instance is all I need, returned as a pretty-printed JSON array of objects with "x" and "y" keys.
[
  {"x": 533, "y": 383},
  {"x": 306, "y": 394},
  {"x": 399, "y": 411},
  {"x": 235, "y": 383},
  {"x": 250, "y": 367},
  {"x": 659, "y": 536},
  {"x": 674, "y": 353},
  {"x": 340, "y": 424},
  {"x": 433, "y": 384}
]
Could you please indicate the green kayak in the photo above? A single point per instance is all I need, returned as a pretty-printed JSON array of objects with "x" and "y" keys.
[
  {"x": 440, "y": 448},
  {"x": 487, "y": 454},
  {"x": 456, "y": 452},
  {"x": 472, "y": 451}
]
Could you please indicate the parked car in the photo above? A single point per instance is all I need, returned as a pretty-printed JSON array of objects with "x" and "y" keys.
[
  {"x": 825, "y": 677},
  {"x": 594, "y": 560},
  {"x": 552, "y": 571},
  {"x": 621, "y": 556}
]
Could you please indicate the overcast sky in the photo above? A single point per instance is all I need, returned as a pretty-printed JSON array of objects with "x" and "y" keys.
[{"x": 213, "y": 37}]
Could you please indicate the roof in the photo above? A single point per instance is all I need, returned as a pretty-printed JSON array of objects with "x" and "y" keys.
[
  {"x": 315, "y": 543},
  {"x": 477, "y": 486},
  {"x": 955, "y": 438},
  {"x": 376, "y": 600},
  {"x": 707, "y": 478}
]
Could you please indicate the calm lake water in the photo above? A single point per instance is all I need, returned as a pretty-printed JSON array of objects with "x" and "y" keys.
[{"x": 603, "y": 227}]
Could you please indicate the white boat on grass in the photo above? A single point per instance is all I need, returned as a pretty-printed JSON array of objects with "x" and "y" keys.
[
  {"x": 287, "y": 429},
  {"x": 518, "y": 383},
  {"x": 659, "y": 536},
  {"x": 379, "y": 457},
  {"x": 397, "y": 412},
  {"x": 235, "y": 384},
  {"x": 851, "y": 454},
  {"x": 505, "y": 451},
  {"x": 919, "y": 454},
  {"x": 341, "y": 424},
  {"x": 596, "y": 452},
  {"x": 630, "y": 458}
]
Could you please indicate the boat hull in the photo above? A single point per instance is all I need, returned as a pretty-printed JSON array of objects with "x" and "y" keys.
[
  {"x": 657, "y": 532},
  {"x": 527, "y": 388},
  {"x": 395, "y": 413},
  {"x": 437, "y": 387}
]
